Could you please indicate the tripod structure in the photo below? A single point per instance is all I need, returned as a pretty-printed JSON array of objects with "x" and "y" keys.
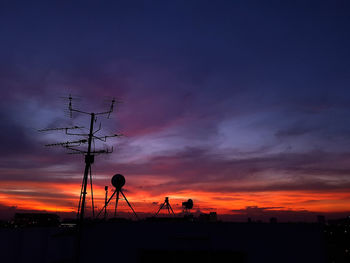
[
  {"x": 166, "y": 205},
  {"x": 118, "y": 182}
]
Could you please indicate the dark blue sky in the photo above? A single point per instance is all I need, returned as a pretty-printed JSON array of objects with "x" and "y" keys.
[{"x": 240, "y": 98}]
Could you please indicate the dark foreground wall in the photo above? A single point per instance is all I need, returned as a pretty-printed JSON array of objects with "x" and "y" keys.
[{"x": 167, "y": 242}]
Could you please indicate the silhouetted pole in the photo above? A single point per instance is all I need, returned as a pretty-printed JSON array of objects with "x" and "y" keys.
[
  {"x": 106, "y": 196},
  {"x": 129, "y": 204},
  {"x": 88, "y": 161},
  {"x": 116, "y": 204},
  {"x": 92, "y": 195}
]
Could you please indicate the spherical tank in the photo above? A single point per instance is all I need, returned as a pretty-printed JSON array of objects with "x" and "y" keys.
[{"x": 118, "y": 181}]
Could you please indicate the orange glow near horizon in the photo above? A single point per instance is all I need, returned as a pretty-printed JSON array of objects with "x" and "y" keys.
[{"x": 63, "y": 197}]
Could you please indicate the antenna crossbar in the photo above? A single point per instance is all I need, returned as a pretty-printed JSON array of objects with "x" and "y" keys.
[
  {"x": 59, "y": 129},
  {"x": 64, "y": 144}
]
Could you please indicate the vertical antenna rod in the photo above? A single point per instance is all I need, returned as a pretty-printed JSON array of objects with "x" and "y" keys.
[
  {"x": 106, "y": 197},
  {"x": 88, "y": 160}
]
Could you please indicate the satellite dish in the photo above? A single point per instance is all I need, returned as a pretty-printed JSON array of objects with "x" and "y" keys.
[
  {"x": 187, "y": 205},
  {"x": 118, "y": 181}
]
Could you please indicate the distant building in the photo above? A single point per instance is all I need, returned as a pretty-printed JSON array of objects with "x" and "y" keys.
[
  {"x": 211, "y": 217},
  {"x": 36, "y": 219},
  {"x": 273, "y": 220}
]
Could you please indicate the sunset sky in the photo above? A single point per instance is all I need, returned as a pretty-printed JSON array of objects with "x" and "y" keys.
[{"x": 242, "y": 106}]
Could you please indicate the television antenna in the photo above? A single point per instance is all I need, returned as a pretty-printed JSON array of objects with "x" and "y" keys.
[
  {"x": 118, "y": 181},
  {"x": 75, "y": 148}
]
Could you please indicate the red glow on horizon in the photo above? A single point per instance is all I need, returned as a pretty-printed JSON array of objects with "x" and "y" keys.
[{"x": 63, "y": 197}]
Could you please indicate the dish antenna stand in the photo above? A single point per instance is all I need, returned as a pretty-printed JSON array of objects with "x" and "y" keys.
[
  {"x": 187, "y": 206},
  {"x": 166, "y": 205},
  {"x": 118, "y": 181}
]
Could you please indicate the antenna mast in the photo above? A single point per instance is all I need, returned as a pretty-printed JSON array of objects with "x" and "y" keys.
[{"x": 89, "y": 153}]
